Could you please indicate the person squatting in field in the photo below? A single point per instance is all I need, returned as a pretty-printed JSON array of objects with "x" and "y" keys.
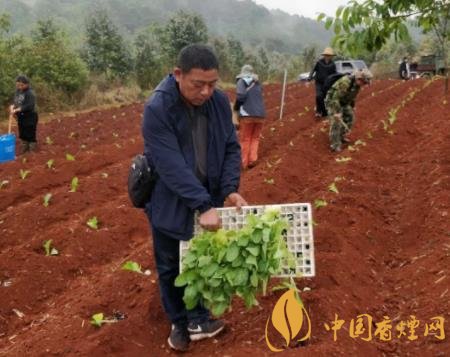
[
  {"x": 191, "y": 142},
  {"x": 323, "y": 68},
  {"x": 250, "y": 106},
  {"x": 24, "y": 111},
  {"x": 340, "y": 104}
]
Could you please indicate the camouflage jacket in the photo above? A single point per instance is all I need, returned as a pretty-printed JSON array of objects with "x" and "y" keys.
[{"x": 341, "y": 94}]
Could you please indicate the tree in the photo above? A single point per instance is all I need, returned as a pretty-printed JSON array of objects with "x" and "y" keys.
[
  {"x": 372, "y": 23},
  {"x": 221, "y": 50},
  {"x": 236, "y": 53},
  {"x": 181, "y": 30},
  {"x": 105, "y": 51},
  {"x": 150, "y": 59}
]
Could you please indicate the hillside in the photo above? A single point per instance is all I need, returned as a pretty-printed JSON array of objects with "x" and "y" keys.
[{"x": 251, "y": 23}]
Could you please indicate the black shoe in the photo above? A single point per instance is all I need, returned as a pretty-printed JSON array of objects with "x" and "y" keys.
[
  {"x": 179, "y": 338},
  {"x": 206, "y": 329}
]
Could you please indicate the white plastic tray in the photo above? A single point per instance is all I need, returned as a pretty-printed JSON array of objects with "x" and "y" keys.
[{"x": 299, "y": 235}]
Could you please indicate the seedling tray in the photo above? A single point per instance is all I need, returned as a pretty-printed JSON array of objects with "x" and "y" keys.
[{"x": 299, "y": 235}]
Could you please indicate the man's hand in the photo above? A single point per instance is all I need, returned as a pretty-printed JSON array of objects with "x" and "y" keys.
[
  {"x": 237, "y": 200},
  {"x": 210, "y": 220}
]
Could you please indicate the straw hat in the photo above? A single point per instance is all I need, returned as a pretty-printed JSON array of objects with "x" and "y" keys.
[{"x": 328, "y": 51}]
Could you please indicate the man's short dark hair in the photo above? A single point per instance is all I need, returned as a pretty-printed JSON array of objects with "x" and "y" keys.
[
  {"x": 23, "y": 79},
  {"x": 197, "y": 56}
]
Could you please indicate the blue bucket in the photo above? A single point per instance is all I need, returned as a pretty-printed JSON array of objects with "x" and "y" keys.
[{"x": 7, "y": 147}]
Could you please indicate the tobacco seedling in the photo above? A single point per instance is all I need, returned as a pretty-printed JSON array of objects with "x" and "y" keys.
[
  {"x": 24, "y": 174},
  {"x": 333, "y": 188},
  {"x": 74, "y": 185},
  {"x": 49, "y": 250},
  {"x": 105, "y": 175},
  {"x": 48, "y": 140},
  {"x": 47, "y": 199},
  {"x": 50, "y": 163},
  {"x": 93, "y": 223},
  {"x": 3, "y": 183},
  {"x": 343, "y": 159},
  {"x": 320, "y": 203},
  {"x": 70, "y": 157},
  {"x": 270, "y": 181},
  {"x": 99, "y": 319},
  {"x": 135, "y": 267}
]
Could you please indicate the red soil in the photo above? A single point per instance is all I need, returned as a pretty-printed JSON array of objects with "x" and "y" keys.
[{"x": 382, "y": 244}]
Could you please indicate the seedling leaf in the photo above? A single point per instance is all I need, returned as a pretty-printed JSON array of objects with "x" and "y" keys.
[
  {"x": 333, "y": 188},
  {"x": 74, "y": 185},
  {"x": 93, "y": 223},
  {"x": 320, "y": 203},
  {"x": 24, "y": 174},
  {"x": 132, "y": 266},
  {"x": 70, "y": 157},
  {"x": 50, "y": 163},
  {"x": 343, "y": 159},
  {"x": 47, "y": 199},
  {"x": 48, "y": 140},
  {"x": 3, "y": 183},
  {"x": 97, "y": 319}
]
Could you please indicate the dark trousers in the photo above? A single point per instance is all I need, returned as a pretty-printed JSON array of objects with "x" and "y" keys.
[
  {"x": 167, "y": 254},
  {"x": 27, "y": 123},
  {"x": 320, "y": 100}
]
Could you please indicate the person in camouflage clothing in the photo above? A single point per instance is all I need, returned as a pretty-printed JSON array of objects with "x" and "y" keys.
[{"x": 340, "y": 103}]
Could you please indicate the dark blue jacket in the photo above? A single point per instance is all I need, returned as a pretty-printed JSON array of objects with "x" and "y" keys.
[
  {"x": 169, "y": 149},
  {"x": 251, "y": 98}
]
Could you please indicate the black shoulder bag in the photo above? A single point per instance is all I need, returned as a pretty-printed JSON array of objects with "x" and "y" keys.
[{"x": 141, "y": 181}]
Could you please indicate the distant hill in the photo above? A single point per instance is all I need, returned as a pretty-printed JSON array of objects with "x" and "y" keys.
[{"x": 251, "y": 23}]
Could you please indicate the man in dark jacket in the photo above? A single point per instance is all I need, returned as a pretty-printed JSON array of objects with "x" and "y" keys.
[
  {"x": 323, "y": 68},
  {"x": 24, "y": 110},
  {"x": 191, "y": 142}
]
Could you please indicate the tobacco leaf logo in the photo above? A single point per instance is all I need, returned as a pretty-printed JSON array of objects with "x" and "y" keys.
[{"x": 288, "y": 317}]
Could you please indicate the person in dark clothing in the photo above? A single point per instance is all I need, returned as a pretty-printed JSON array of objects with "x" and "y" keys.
[
  {"x": 250, "y": 104},
  {"x": 322, "y": 69},
  {"x": 404, "y": 71},
  {"x": 191, "y": 142},
  {"x": 24, "y": 111}
]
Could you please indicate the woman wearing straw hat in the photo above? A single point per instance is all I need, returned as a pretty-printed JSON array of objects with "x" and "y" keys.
[{"x": 323, "y": 68}]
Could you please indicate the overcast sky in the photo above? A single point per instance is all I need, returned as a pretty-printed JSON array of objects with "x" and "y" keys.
[{"x": 307, "y": 8}]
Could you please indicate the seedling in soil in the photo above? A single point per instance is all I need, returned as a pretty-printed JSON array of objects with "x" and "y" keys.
[
  {"x": 48, "y": 140},
  {"x": 3, "y": 183},
  {"x": 385, "y": 125},
  {"x": 72, "y": 134},
  {"x": 47, "y": 199},
  {"x": 291, "y": 143},
  {"x": 343, "y": 159},
  {"x": 105, "y": 175},
  {"x": 270, "y": 181},
  {"x": 272, "y": 129},
  {"x": 360, "y": 142},
  {"x": 306, "y": 109},
  {"x": 99, "y": 319},
  {"x": 333, "y": 188},
  {"x": 49, "y": 250},
  {"x": 118, "y": 146},
  {"x": 93, "y": 223},
  {"x": 320, "y": 203},
  {"x": 24, "y": 174},
  {"x": 369, "y": 135},
  {"x": 50, "y": 163},
  {"x": 24, "y": 160},
  {"x": 70, "y": 157},
  {"x": 74, "y": 185},
  {"x": 135, "y": 267},
  {"x": 393, "y": 116},
  {"x": 115, "y": 135}
]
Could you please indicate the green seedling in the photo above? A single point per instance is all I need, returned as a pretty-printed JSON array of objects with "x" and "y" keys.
[
  {"x": 352, "y": 148},
  {"x": 369, "y": 135},
  {"x": 70, "y": 157},
  {"x": 99, "y": 319},
  {"x": 48, "y": 140},
  {"x": 306, "y": 109},
  {"x": 118, "y": 146},
  {"x": 72, "y": 134},
  {"x": 47, "y": 199},
  {"x": 360, "y": 142},
  {"x": 385, "y": 125},
  {"x": 343, "y": 159},
  {"x": 272, "y": 129},
  {"x": 49, "y": 250},
  {"x": 135, "y": 267},
  {"x": 339, "y": 178},
  {"x": 105, "y": 175},
  {"x": 3, "y": 183},
  {"x": 74, "y": 185},
  {"x": 50, "y": 163},
  {"x": 270, "y": 181},
  {"x": 333, "y": 188},
  {"x": 320, "y": 203},
  {"x": 24, "y": 174},
  {"x": 291, "y": 143},
  {"x": 115, "y": 135},
  {"x": 93, "y": 223}
]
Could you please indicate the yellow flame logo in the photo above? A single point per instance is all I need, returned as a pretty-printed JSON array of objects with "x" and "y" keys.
[{"x": 288, "y": 317}]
